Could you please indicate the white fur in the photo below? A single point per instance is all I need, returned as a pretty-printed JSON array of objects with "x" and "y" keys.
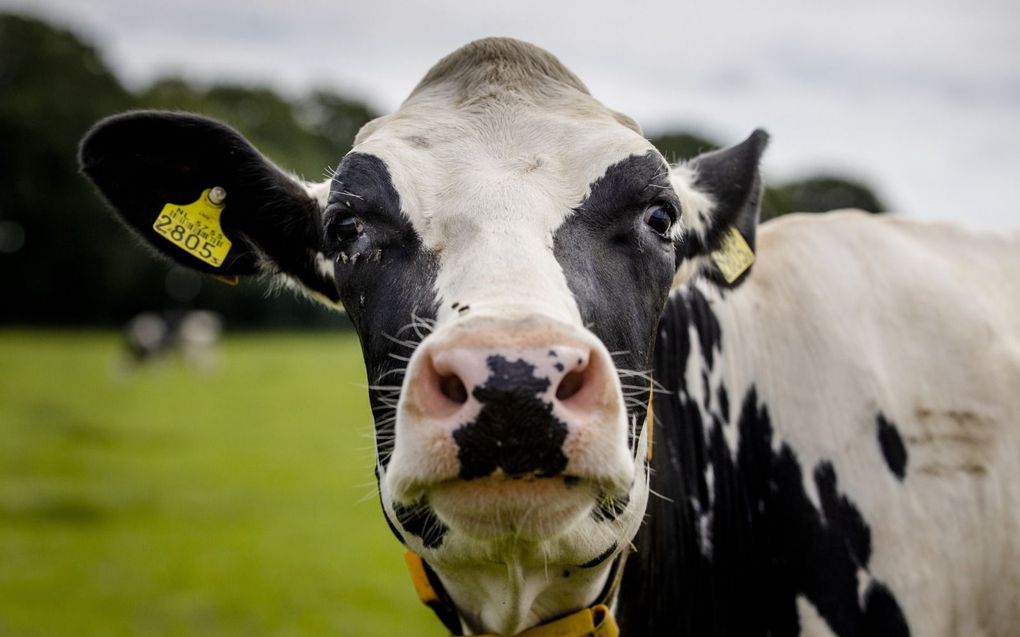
[
  {"x": 697, "y": 205},
  {"x": 491, "y": 189},
  {"x": 845, "y": 315}
]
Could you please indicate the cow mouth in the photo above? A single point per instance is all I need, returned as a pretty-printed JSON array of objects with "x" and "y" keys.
[{"x": 528, "y": 508}]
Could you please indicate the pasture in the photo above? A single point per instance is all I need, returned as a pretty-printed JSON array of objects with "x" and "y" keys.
[{"x": 170, "y": 502}]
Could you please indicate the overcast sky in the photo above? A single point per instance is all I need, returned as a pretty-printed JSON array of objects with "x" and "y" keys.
[{"x": 921, "y": 98}]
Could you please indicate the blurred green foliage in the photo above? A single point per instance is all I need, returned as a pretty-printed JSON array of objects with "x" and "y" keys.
[
  {"x": 65, "y": 260},
  {"x": 163, "y": 501}
]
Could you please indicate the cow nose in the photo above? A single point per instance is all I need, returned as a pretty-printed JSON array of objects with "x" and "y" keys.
[
  {"x": 520, "y": 404},
  {"x": 514, "y": 409},
  {"x": 460, "y": 374}
]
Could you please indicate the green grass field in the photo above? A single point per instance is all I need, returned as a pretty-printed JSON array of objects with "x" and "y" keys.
[{"x": 169, "y": 502}]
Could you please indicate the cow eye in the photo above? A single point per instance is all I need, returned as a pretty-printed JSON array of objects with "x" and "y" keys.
[
  {"x": 659, "y": 218},
  {"x": 346, "y": 229}
]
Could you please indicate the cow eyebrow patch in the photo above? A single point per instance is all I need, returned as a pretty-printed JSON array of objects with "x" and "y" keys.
[
  {"x": 368, "y": 176},
  {"x": 635, "y": 180}
]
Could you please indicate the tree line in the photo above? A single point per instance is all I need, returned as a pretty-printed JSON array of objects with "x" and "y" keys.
[{"x": 64, "y": 260}]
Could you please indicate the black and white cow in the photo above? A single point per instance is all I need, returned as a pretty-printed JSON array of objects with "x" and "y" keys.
[{"x": 837, "y": 430}]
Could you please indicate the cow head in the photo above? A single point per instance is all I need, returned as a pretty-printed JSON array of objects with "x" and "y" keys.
[{"x": 504, "y": 245}]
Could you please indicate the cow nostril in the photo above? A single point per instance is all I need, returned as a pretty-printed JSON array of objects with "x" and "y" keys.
[
  {"x": 570, "y": 385},
  {"x": 452, "y": 387}
]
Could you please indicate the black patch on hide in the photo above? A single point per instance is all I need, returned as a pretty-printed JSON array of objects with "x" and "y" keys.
[
  {"x": 391, "y": 281},
  {"x": 891, "y": 444},
  {"x": 419, "y": 520},
  {"x": 882, "y": 615},
  {"x": 617, "y": 268},
  {"x": 769, "y": 543}
]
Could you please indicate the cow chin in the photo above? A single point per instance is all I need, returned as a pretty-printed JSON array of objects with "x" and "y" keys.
[
  {"x": 525, "y": 509},
  {"x": 541, "y": 522},
  {"x": 528, "y": 509}
]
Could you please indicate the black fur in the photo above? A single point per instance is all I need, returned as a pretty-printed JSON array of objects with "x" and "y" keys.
[
  {"x": 142, "y": 160},
  {"x": 391, "y": 280},
  {"x": 387, "y": 291},
  {"x": 891, "y": 444},
  {"x": 419, "y": 520},
  {"x": 733, "y": 560},
  {"x": 617, "y": 268}
]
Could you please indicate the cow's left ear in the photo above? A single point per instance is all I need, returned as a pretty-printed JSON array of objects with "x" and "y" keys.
[
  {"x": 722, "y": 192},
  {"x": 196, "y": 191}
]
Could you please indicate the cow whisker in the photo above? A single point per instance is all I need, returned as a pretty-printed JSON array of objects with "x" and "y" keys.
[
  {"x": 660, "y": 496},
  {"x": 396, "y": 370},
  {"x": 373, "y": 494},
  {"x": 411, "y": 345},
  {"x": 383, "y": 388}
]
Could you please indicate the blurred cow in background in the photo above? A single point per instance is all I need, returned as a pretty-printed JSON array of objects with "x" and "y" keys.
[{"x": 191, "y": 336}]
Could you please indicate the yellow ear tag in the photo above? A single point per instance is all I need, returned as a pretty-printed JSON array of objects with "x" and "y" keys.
[
  {"x": 734, "y": 256},
  {"x": 195, "y": 227}
]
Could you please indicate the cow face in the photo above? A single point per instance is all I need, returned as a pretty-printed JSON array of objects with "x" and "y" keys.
[{"x": 504, "y": 246}]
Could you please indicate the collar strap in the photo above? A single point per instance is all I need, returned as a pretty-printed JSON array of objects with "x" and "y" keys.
[
  {"x": 593, "y": 621},
  {"x": 431, "y": 592},
  {"x": 596, "y": 621}
]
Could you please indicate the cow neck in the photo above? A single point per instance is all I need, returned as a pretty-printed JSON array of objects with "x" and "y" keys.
[
  {"x": 672, "y": 584},
  {"x": 593, "y": 621}
]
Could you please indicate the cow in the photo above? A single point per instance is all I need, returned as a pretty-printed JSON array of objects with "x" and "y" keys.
[
  {"x": 192, "y": 335},
  {"x": 604, "y": 398}
]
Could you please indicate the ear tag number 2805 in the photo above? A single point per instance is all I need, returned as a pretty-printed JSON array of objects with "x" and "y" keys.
[{"x": 195, "y": 227}]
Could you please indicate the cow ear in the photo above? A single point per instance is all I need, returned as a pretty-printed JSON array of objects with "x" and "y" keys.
[
  {"x": 196, "y": 191},
  {"x": 722, "y": 192}
]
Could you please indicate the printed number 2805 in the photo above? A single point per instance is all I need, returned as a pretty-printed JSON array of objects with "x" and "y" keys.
[{"x": 188, "y": 240}]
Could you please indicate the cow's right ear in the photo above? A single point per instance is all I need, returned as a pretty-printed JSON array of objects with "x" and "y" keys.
[
  {"x": 720, "y": 192},
  {"x": 196, "y": 191}
]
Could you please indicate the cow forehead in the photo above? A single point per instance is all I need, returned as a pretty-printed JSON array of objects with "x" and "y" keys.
[
  {"x": 486, "y": 186},
  {"x": 497, "y": 162}
]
